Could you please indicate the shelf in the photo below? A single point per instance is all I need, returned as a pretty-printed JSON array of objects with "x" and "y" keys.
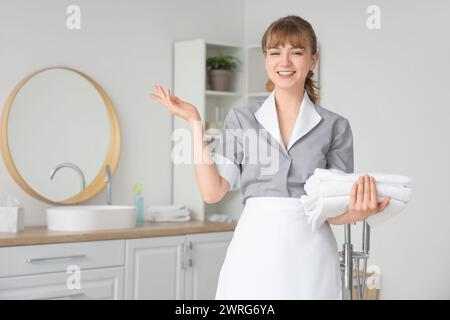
[
  {"x": 225, "y": 45},
  {"x": 191, "y": 81},
  {"x": 223, "y": 93}
]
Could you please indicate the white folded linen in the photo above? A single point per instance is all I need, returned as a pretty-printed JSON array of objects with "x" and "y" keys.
[
  {"x": 167, "y": 213},
  {"x": 338, "y": 175},
  {"x": 327, "y": 198},
  {"x": 160, "y": 219},
  {"x": 316, "y": 188},
  {"x": 165, "y": 208},
  {"x": 328, "y": 207},
  {"x": 170, "y": 214}
]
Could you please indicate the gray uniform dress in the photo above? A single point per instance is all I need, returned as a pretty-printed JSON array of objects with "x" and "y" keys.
[
  {"x": 251, "y": 147},
  {"x": 274, "y": 254}
]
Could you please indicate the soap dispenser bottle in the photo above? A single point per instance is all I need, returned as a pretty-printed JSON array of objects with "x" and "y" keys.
[{"x": 139, "y": 204}]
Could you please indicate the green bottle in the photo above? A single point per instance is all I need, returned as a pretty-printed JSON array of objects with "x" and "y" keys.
[{"x": 139, "y": 204}]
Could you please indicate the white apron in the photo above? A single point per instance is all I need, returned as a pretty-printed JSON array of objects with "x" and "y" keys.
[{"x": 274, "y": 254}]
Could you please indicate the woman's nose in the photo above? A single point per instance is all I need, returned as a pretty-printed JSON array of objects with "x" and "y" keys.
[{"x": 285, "y": 59}]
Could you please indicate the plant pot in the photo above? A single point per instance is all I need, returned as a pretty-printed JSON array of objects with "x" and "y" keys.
[{"x": 220, "y": 80}]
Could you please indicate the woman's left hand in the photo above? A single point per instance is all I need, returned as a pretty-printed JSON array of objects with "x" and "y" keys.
[
  {"x": 363, "y": 202},
  {"x": 364, "y": 199}
]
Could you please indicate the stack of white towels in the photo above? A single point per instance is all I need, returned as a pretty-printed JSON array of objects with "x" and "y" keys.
[
  {"x": 328, "y": 194},
  {"x": 168, "y": 213}
]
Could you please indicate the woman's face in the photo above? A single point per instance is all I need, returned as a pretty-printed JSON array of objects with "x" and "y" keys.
[{"x": 288, "y": 67}]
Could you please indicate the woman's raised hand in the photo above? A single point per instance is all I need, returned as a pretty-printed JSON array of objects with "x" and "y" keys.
[
  {"x": 176, "y": 106},
  {"x": 363, "y": 199}
]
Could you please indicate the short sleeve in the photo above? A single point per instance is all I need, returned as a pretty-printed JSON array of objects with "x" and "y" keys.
[
  {"x": 340, "y": 156},
  {"x": 228, "y": 153}
]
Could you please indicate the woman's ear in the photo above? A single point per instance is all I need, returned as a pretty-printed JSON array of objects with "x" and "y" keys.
[{"x": 314, "y": 59}]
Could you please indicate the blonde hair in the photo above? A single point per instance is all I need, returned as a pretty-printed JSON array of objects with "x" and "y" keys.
[{"x": 299, "y": 33}]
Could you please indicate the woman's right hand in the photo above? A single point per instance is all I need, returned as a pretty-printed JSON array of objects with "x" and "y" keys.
[
  {"x": 176, "y": 106},
  {"x": 212, "y": 186}
]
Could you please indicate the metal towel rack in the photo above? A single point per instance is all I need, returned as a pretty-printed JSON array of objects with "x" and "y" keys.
[{"x": 349, "y": 258}]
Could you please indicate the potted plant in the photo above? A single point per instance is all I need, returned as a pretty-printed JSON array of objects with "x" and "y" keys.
[{"x": 220, "y": 70}]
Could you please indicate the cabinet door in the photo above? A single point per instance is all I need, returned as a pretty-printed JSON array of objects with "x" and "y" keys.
[
  {"x": 207, "y": 255},
  {"x": 153, "y": 268},
  {"x": 105, "y": 283}
]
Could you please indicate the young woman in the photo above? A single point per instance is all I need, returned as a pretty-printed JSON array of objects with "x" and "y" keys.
[{"x": 274, "y": 254}]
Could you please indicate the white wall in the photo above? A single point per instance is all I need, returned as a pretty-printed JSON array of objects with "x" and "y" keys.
[
  {"x": 393, "y": 86},
  {"x": 127, "y": 47}
]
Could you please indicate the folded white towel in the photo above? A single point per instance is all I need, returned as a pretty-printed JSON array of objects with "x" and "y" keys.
[
  {"x": 316, "y": 188},
  {"x": 328, "y": 207},
  {"x": 327, "y": 198},
  {"x": 167, "y": 213},
  {"x": 165, "y": 208},
  {"x": 338, "y": 175},
  {"x": 160, "y": 219},
  {"x": 171, "y": 214}
]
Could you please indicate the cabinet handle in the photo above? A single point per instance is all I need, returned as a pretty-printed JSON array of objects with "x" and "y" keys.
[
  {"x": 183, "y": 257},
  {"x": 187, "y": 255},
  {"x": 190, "y": 262},
  {"x": 75, "y": 256}
]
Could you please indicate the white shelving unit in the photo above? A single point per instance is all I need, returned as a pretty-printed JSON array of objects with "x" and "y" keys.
[{"x": 191, "y": 84}]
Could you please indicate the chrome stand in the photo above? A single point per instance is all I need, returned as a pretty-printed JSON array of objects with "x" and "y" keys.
[{"x": 349, "y": 258}]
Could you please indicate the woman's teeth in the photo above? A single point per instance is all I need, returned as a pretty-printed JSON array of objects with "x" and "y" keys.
[{"x": 285, "y": 74}]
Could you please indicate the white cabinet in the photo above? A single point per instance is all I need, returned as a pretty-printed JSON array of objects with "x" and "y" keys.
[
  {"x": 190, "y": 84},
  {"x": 176, "y": 267},
  {"x": 169, "y": 267},
  {"x": 48, "y": 258},
  {"x": 206, "y": 253},
  {"x": 81, "y": 270},
  {"x": 105, "y": 283},
  {"x": 153, "y": 268}
]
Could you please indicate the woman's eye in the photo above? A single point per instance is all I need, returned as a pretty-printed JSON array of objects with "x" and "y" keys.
[
  {"x": 298, "y": 53},
  {"x": 274, "y": 53}
]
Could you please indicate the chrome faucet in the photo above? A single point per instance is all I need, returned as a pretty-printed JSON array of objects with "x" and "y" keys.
[
  {"x": 108, "y": 184},
  {"x": 72, "y": 166}
]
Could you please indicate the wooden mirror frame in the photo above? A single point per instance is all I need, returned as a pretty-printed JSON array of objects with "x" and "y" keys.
[{"x": 112, "y": 155}]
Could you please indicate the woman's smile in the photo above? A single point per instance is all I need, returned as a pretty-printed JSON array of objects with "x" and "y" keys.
[{"x": 286, "y": 74}]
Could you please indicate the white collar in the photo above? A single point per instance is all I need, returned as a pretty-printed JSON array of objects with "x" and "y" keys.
[{"x": 307, "y": 119}]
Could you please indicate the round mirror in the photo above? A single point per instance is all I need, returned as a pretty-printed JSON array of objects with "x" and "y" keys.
[{"x": 59, "y": 132}]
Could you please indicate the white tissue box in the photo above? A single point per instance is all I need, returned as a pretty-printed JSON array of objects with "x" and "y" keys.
[{"x": 12, "y": 219}]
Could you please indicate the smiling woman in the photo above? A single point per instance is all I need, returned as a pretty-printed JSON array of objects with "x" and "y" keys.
[
  {"x": 274, "y": 254},
  {"x": 302, "y": 264}
]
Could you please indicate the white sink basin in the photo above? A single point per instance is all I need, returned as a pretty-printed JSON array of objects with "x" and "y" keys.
[{"x": 90, "y": 218}]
